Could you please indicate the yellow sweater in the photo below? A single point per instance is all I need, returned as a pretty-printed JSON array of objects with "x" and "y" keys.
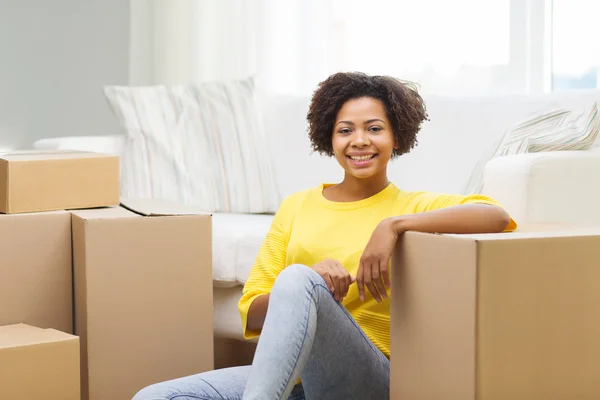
[{"x": 308, "y": 228}]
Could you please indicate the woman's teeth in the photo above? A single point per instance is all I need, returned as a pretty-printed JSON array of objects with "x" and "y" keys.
[{"x": 362, "y": 158}]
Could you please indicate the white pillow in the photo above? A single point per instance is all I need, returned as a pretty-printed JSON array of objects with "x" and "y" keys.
[
  {"x": 202, "y": 144},
  {"x": 553, "y": 130}
]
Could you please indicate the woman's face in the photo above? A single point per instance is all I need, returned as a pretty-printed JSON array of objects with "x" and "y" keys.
[{"x": 363, "y": 141}]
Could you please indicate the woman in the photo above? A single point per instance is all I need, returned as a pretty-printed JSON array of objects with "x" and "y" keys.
[{"x": 318, "y": 294}]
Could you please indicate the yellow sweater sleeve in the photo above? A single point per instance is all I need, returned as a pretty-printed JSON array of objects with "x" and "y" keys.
[
  {"x": 271, "y": 260},
  {"x": 425, "y": 201}
]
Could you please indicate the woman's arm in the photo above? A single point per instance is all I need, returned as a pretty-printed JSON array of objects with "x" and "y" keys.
[
  {"x": 258, "y": 312},
  {"x": 465, "y": 218},
  {"x": 270, "y": 261}
]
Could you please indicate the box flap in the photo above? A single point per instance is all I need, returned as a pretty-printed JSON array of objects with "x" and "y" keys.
[
  {"x": 25, "y": 335},
  {"x": 104, "y": 213},
  {"x": 159, "y": 207},
  {"x": 37, "y": 155}
]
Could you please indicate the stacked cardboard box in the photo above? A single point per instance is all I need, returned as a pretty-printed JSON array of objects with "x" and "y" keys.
[
  {"x": 56, "y": 180},
  {"x": 35, "y": 267},
  {"x": 501, "y": 316},
  {"x": 35, "y": 270},
  {"x": 38, "y": 363},
  {"x": 143, "y": 296},
  {"x": 136, "y": 275}
]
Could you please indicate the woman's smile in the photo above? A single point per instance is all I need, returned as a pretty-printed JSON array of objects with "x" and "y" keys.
[{"x": 361, "y": 161}]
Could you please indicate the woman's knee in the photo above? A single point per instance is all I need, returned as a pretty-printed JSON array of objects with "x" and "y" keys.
[
  {"x": 296, "y": 273},
  {"x": 153, "y": 392},
  {"x": 178, "y": 389},
  {"x": 297, "y": 276}
]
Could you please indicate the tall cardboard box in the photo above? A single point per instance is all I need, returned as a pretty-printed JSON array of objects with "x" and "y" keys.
[
  {"x": 143, "y": 296},
  {"x": 35, "y": 270},
  {"x": 38, "y": 364},
  {"x": 46, "y": 180},
  {"x": 495, "y": 317}
]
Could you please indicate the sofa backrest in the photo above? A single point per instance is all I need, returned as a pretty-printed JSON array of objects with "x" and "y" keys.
[{"x": 460, "y": 131}]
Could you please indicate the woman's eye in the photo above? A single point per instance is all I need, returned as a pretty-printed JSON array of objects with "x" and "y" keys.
[
  {"x": 344, "y": 130},
  {"x": 375, "y": 129}
]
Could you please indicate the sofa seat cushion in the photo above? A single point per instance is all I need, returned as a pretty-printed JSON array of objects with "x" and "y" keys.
[{"x": 236, "y": 241}]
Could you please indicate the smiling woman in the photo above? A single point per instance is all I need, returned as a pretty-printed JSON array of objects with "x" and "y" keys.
[
  {"x": 357, "y": 143},
  {"x": 364, "y": 121},
  {"x": 318, "y": 293},
  {"x": 363, "y": 142}
]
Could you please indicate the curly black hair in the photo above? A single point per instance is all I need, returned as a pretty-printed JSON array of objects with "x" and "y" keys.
[{"x": 405, "y": 108}]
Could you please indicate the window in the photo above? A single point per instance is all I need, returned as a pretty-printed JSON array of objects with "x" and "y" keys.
[
  {"x": 446, "y": 46},
  {"x": 458, "y": 47},
  {"x": 575, "y": 44}
]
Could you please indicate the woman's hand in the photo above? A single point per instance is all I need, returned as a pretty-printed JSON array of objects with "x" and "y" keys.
[
  {"x": 373, "y": 271},
  {"x": 336, "y": 276}
]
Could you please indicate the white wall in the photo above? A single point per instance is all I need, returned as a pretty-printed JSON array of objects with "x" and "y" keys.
[{"x": 55, "y": 56}]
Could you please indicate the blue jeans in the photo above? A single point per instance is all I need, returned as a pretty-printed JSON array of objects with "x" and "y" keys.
[{"x": 307, "y": 335}]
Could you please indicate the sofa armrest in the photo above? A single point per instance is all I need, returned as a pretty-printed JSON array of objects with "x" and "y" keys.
[
  {"x": 550, "y": 187},
  {"x": 110, "y": 144}
]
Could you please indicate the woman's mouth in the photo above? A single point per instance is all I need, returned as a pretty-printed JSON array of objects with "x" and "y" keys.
[{"x": 361, "y": 160}]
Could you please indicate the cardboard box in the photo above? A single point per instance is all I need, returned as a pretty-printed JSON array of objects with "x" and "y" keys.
[
  {"x": 44, "y": 180},
  {"x": 501, "y": 316},
  {"x": 36, "y": 285},
  {"x": 143, "y": 296},
  {"x": 38, "y": 364}
]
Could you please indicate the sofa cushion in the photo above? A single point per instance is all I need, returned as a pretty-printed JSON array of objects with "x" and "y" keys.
[
  {"x": 551, "y": 130},
  {"x": 547, "y": 188},
  {"x": 236, "y": 241},
  {"x": 201, "y": 144}
]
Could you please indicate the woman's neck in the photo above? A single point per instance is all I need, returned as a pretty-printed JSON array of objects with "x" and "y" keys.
[{"x": 355, "y": 189}]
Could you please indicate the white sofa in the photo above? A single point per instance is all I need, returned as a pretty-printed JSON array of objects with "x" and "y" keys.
[{"x": 536, "y": 188}]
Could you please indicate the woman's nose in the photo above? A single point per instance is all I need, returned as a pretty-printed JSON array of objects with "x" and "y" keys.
[{"x": 361, "y": 138}]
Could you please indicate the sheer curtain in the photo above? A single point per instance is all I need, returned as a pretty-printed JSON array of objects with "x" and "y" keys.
[
  {"x": 161, "y": 42},
  {"x": 458, "y": 47},
  {"x": 182, "y": 41},
  {"x": 285, "y": 44}
]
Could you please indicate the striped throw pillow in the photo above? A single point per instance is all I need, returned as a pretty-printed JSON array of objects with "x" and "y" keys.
[
  {"x": 201, "y": 145},
  {"x": 553, "y": 130}
]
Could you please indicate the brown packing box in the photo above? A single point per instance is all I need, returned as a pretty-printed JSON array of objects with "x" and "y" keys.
[
  {"x": 38, "y": 363},
  {"x": 500, "y": 316},
  {"x": 42, "y": 180},
  {"x": 143, "y": 296},
  {"x": 35, "y": 270}
]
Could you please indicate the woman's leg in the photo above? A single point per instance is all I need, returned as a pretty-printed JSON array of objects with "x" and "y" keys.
[
  {"x": 222, "y": 384},
  {"x": 308, "y": 334},
  {"x": 219, "y": 384}
]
